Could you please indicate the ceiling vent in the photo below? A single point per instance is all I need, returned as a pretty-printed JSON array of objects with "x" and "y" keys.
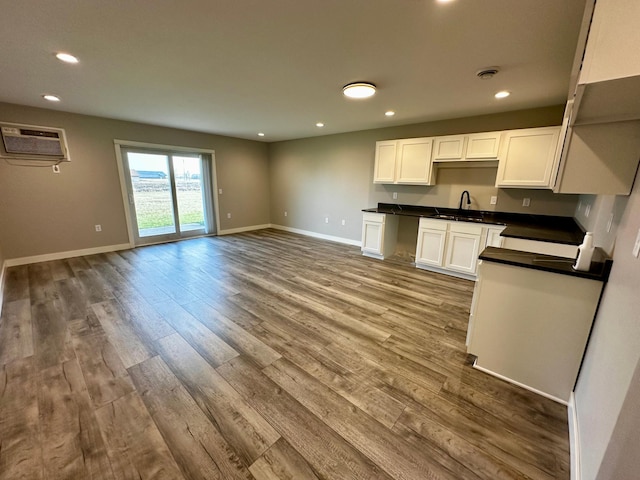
[{"x": 487, "y": 73}]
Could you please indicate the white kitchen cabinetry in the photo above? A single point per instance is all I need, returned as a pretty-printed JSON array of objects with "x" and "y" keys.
[
  {"x": 528, "y": 158},
  {"x": 406, "y": 161},
  {"x": 379, "y": 233},
  {"x": 432, "y": 236},
  {"x": 493, "y": 237},
  {"x": 385, "y": 165},
  {"x": 463, "y": 148},
  {"x": 463, "y": 247},
  {"x": 448, "y": 247}
]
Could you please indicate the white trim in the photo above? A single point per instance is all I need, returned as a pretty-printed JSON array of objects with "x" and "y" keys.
[
  {"x": 377, "y": 256},
  {"x": 322, "y": 236},
  {"x": 125, "y": 194},
  {"x": 2, "y": 272},
  {"x": 13, "y": 262},
  {"x": 574, "y": 438},
  {"x": 130, "y": 143},
  {"x": 526, "y": 387},
  {"x": 250, "y": 228},
  {"x": 445, "y": 271}
]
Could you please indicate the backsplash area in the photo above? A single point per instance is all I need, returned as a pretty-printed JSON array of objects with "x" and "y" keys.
[{"x": 480, "y": 182}]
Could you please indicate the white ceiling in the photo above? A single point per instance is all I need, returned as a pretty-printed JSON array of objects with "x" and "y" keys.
[{"x": 239, "y": 67}]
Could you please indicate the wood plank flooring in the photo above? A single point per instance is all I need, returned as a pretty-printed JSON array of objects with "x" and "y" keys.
[{"x": 264, "y": 355}]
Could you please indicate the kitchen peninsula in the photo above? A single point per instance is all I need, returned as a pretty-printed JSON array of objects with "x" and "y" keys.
[{"x": 531, "y": 312}]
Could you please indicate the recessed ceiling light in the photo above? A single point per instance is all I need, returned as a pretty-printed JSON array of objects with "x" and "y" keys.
[
  {"x": 445, "y": 1},
  {"x": 261, "y": 134},
  {"x": 320, "y": 124},
  {"x": 390, "y": 113},
  {"x": 359, "y": 90},
  {"x": 66, "y": 57},
  {"x": 51, "y": 98},
  {"x": 502, "y": 94}
]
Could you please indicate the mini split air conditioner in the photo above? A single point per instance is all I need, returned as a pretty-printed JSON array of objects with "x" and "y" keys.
[{"x": 29, "y": 142}]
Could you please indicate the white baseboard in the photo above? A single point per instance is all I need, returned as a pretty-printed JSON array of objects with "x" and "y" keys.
[
  {"x": 243, "y": 229},
  {"x": 347, "y": 241},
  {"x": 574, "y": 438},
  {"x": 47, "y": 257},
  {"x": 2, "y": 272},
  {"x": 526, "y": 387}
]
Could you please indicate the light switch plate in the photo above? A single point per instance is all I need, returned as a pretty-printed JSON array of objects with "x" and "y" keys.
[
  {"x": 636, "y": 247},
  {"x": 494, "y": 200},
  {"x": 395, "y": 195},
  {"x": 526, "y": 202}
]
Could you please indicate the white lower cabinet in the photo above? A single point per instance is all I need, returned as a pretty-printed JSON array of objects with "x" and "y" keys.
[
  {"x": 432, "y": 235},
  {"x": 463, "y": 247},
  {"x": 379, "y": 234},
  {"x": 493, "y": 237},
  {"x": 450, "y": 247}
]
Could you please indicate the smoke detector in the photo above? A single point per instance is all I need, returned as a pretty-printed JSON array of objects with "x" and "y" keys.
[{"x": 487, "y": 73}]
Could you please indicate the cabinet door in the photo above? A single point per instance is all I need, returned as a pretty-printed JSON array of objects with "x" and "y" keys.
[
  {"x": 528, "y": 158},
  {"x": 483, "y": 146},
  {"x": 430, "y": 249},
  {"x": 414, "y": 161},
  {"x": 385, "y": 164},
  {"x": 462, "y": 252},
  {"x": 493, "y": 237},
  {"x": 450, "y": 147},
  {"x": 372, "y": 234}
]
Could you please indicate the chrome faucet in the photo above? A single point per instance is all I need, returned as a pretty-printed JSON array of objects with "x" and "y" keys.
[{"x": 468, "y": 200}]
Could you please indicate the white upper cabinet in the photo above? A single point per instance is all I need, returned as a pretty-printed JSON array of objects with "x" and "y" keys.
[
  {"x": 464, "y": 148},
  {"x": 406, "y": 161},
  {"x": 385, "y": 166},
  {"x": 483, "y": 146},
  {"x": 528, "y": 158},
  {"x": 613, "y": 36},
  {"x": 449, "y": 148}
]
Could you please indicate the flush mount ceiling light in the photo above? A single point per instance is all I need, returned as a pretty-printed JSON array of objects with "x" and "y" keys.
[
  {"x": 66, "y": 57},
  {"x": 51, "y": 98},
  {"x": 502, "y": 94},
  {"x": 359, "y": 90}
]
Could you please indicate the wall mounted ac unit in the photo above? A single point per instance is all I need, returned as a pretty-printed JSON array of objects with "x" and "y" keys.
[{"x": 30, "y": 142}]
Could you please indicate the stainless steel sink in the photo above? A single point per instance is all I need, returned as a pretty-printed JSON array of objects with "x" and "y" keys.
[{"x": 446, "y": 217}]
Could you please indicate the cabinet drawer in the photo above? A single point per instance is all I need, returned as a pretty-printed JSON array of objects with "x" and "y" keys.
[
  {"x": 465, "y": 227},
  {"x": 433, "y": 224},
  {"x": 373, "y": 217}
]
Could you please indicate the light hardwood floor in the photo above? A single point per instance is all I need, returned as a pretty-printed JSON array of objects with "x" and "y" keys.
[{"x": 263, "y": 355}]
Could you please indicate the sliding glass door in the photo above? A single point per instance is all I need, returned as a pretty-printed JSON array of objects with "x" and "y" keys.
[{"x": 168, "y": 193}]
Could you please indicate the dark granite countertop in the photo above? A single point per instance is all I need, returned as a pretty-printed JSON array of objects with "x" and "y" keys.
[
  {"x": 544, "y": 228},
  {"x": 600, "y": 264}
]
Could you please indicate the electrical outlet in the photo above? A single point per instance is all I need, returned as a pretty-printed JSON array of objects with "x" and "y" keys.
[
  {"x": 98, "y": 228},
  {"x": 526, "y": 202},
  {"x": 395, "y": 195},
  {"x": 228, "y": 215},
  {"x": 219, "y": 191},
  {"x": 344, "y": 222},
  {"x": 326, "y": 219},
  {"x": 587, "y": 211},
  {"x": 55, "y": 168},
  {"x": 285, "y": 213},
  {"x": 494, "y": 200}
]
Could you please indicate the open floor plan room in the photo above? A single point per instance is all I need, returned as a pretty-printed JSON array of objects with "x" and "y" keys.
[{"x": 260, "y": 355}]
